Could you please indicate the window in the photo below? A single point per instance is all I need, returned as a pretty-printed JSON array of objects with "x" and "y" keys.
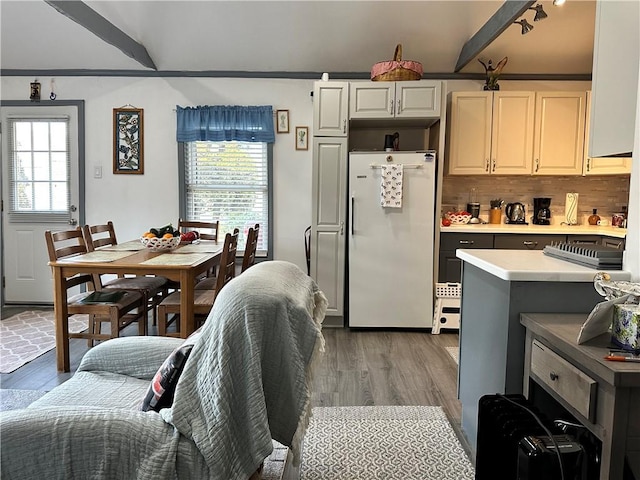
[
  {"x": 39, "y": 169},
  {"x": 228, "y": 181}
]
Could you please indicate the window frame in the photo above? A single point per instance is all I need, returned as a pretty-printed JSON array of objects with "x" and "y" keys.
[{"x": 182, "y": 192}]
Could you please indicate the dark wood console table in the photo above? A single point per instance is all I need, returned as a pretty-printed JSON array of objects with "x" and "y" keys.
[{"x": 603, "y": 395}]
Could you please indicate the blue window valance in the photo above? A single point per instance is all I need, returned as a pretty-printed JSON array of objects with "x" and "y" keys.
[{"x": 225, "y": 123}]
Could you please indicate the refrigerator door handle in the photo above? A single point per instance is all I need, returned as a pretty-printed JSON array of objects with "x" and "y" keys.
[{"x": 353, "y": 204}]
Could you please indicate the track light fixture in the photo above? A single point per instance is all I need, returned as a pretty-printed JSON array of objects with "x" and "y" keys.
[
  {"x": 558, "y": 2},
  {"x": 526, "y": 26},
  {"x": 540, "y": 13}
]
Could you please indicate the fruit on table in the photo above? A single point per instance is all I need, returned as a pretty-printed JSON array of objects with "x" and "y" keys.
[
  {"x": 189, "y": 236},
  {"x": 446, "y": 222},
  {"x": 163, "y": 232}
]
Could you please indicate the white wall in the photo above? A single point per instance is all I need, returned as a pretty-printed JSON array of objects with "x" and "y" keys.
[{"x": 136, "y": 202}]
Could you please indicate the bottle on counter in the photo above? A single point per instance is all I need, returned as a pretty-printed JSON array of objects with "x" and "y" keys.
[{"x": 594, "y": 218}]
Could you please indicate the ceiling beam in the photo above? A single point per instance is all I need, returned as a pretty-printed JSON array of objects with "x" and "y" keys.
[
  {"x": 82, "y": 14},
  {"x": 508, "y": 13}
]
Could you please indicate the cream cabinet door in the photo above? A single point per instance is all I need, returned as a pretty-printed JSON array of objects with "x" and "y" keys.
[
  {"x": 372, "y": 99},
  {"x": 328, "y": 244},
  {"x": 512, "y": 133},
  {"x": 602, "y": 165},
  {"x": 410, "y": 99},
  {"x": 330, "y": 109},
  {"x": 559, "y": 133},
  {"x": 470, "y": 133},
  {"x": 418, "y": 99}
]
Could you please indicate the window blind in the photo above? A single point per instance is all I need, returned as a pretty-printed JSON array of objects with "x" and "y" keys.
[
  {"x": 39, "y": 169},
  {"x": 228, "y": 182}
]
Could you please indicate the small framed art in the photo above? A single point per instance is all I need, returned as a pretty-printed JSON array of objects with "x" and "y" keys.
[
  {"x": 128, "y": 136},
  {"x": 302, "y": 138},
  {"x": 282, "y": 121}
]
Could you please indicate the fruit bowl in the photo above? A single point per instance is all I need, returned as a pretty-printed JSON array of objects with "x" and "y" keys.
[
  {"x": 159, "y": 244},
  {"x": 457, "y": 218}
]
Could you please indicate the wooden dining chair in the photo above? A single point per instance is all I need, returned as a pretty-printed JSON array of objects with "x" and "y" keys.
[
  {"x": 250, "y": 248},
  {"x": 203, "y": 299},
  {"x": 206, "y": 231},
  {"x": 154, "y": 289},
  {"x": 120, "y": 308},
  {"x": 211, "y": 283}
]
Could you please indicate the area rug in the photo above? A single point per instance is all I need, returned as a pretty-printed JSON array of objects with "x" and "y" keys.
[
  {"x": 453, "y": 352},
  {"x": 390, "y": 443},
  {"x": 28, "y": 335}
]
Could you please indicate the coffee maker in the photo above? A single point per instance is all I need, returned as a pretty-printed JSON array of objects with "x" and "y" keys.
[{"x": 541, "y": 211}]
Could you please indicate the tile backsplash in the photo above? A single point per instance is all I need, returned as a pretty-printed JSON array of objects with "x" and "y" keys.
[{"x": 606, "y": 193}]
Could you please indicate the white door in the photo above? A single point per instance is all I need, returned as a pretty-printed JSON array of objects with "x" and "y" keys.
[
  {"x": 40, "y": 191},
  {"x": 391, "y": 249}
]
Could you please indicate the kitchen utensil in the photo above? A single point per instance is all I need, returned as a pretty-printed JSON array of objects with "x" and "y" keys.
[{"x": 515, "y": 213}]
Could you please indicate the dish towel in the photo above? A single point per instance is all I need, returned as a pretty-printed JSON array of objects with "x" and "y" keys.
[{"x": 391, "y": 186}]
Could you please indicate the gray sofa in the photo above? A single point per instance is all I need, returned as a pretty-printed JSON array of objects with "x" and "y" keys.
[{"x": 245, "y": 383}]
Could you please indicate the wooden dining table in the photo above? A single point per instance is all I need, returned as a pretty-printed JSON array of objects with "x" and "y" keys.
[{"x": 183, "y": 264}]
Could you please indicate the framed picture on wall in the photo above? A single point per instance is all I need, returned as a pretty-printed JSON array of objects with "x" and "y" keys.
[
  {"x": 282, "y": 121},
  {"x": 128, "y": 136},
  {"x": 302, "y": 138}
]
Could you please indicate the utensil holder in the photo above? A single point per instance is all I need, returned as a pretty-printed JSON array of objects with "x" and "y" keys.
[{"x": 495, "y": 215}]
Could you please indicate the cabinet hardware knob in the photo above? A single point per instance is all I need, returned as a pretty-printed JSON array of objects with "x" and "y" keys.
[
  {"x": 398, "y": 109},
  {"x": 537, "y": 164},
  {"x": 486, "y": 168},
  {"x": 344, "y": 126},
  {"x": 494, "y": 165},
  {"x": 553, "y": 376}
]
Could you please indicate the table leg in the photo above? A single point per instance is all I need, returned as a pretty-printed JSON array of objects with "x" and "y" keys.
[
  {"x": 61, "y": 314},
  {"x": 187, "y": 288}
]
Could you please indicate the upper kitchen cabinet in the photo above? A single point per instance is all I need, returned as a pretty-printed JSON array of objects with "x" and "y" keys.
[
  {"x": 330, "y": 109},
  {"x": 616, "y": 54},
  {"x": 409, "y": 99},
  {"x": 491, "y": 133},
  {"x": 602, "y": 165},
  {"x": 558, "y": 147}
]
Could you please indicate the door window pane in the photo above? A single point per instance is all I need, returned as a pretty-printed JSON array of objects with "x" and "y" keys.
[{"x": 40, "y": 168}]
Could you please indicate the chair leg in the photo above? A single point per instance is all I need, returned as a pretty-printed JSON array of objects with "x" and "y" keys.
[
  {"x": 115, "y": 323},
  {"x": 162, "y": 320}
]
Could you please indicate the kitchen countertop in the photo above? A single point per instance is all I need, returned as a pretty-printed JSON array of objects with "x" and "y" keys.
[
  {"x": 537, "y": 229},
  {"x": 531, "y": 266}
]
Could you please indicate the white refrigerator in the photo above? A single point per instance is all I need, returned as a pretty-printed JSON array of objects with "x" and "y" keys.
[{"x": 390, "y": 242}]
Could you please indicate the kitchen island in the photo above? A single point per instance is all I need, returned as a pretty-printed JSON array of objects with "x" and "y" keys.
[{"x": 497, "y": 286}]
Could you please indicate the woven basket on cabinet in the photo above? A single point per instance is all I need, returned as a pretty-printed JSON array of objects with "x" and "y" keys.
[{"x": 396, "y": 69}]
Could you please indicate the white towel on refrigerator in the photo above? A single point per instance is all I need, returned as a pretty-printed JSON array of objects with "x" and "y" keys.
[{"x": 391, "y": 186}]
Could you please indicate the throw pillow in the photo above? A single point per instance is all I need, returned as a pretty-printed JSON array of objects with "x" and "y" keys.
[{"x": 163, "y": 386}]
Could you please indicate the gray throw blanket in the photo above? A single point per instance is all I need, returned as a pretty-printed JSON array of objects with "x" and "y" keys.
[{"x": 247, "y": 379}]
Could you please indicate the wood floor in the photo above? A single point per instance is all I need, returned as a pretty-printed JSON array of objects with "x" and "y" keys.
[{"x": 359, "y": 367}]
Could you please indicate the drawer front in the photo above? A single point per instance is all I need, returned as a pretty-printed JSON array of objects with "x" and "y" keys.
[
  {"x": 453, "y": 241},
  {"x": 567, "y": 381},
  {"x": 526, "y": 242}
]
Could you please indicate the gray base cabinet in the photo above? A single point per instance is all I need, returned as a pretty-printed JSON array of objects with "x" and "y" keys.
[{"x": 449, "y": 266}]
